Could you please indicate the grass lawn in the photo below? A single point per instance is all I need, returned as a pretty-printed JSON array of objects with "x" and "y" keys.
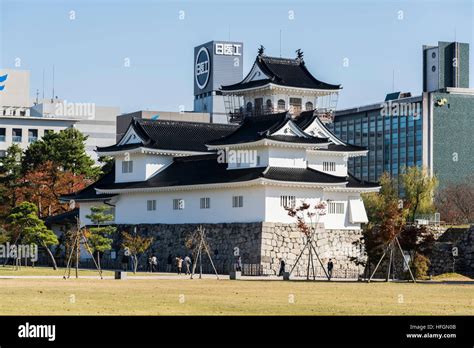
[
  {"x": 226, "y": 297},
  {"x": 48, "y": 271}
]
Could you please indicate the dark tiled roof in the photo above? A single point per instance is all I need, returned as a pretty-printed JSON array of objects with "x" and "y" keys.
[
  {"x": 283, "y": 72},
  {"x": 204, "y": 169},
  {"x": 302, "y": 175},
  {"x": 89, "y": 192},
  {"x": 66, "y": 217},
  {"x": 293, "y": 139},
  {"x": 174, "y": 135},
  {"x": 305, "y": 118},
  {"x": 356, "y": 183},
  {"x": 255, "y": 128},
  {"x": 346, "y": 148}
]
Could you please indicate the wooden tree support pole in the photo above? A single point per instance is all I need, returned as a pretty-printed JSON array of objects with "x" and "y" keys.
[
  {"x": 404, "y": 260},
  {"x": 376, "y": 267},
  {"x": 320, "y": 262}
]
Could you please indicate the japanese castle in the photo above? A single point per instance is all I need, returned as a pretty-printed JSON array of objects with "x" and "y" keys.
[{"x": 280, "y": 154}]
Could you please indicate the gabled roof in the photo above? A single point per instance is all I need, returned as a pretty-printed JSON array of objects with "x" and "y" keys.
[
  {"x": 172, "y": 135},
  {"x": 306, "y": 118},
  {"x": 255, "y": 128},
  {"x": 283, "y": 72}
]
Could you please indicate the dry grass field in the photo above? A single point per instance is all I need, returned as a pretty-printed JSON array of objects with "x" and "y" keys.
[{"x": 225, "y": 297}]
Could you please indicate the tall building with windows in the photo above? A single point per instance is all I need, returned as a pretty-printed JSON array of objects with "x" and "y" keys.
[
  {"x": 431, "y": 130},
  {"x": 24, "y": 120}
]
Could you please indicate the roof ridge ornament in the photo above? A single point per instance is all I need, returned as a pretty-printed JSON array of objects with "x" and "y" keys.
[
  {"x": 299, "y": 56},
  {"x": 261, "y": 51}
]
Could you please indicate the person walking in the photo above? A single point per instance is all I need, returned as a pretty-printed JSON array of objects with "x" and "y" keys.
[
  {"x": 154, "y": 264},
  {"x": 239, "y": 264},
  {"x": 169, "y": 263},
  {"x": 150, "y": 265},
  {"x": 125, "y": 261},
  {"x": 330, "y": 267},
  {"x": 179, "y": 264},
  {"x": 187, "y": 262},
  {"x": 282, "y": 267}
]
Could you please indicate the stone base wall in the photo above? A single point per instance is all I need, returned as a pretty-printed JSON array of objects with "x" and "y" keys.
[
  {"x": 442, "y": 258},
  {"x": 259, "y": 244},
  {"x": 286, "y": 241}
]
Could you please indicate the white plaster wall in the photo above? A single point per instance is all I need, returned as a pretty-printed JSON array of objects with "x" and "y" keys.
[
  {"x": 144, "y": 166},
  {"x": 275, "y": 213},
  {"x": 287, "y": 157},
  {"x": 132, "y": 208},
  {"x": 315, "y": 161}
]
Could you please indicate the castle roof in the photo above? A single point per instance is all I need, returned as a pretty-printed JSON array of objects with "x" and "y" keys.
[{"x": 283, "y": 72}]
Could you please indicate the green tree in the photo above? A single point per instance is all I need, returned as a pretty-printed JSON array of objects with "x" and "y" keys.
[
  {"x": 10, "y": 175},
  {"x": 386, "y": 217},
  {"x": 419, "y": 190},
  {"x": 99, "y": 236},
  {"x": 135, "y": 245},
  {"x": 30, "y": 228},
  {"x": 66, "y": 149}
]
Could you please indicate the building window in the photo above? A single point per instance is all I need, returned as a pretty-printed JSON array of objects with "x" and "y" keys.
[
  {"x": 178, "y": 204},
  {"x": 287, "y": 201},
  {"x": 205, "y": 203},
  {"x": 281, "y": 104},
  {"x": 48, "y": 131},
  {"x": 237, "y": 201},
  {"x": 151, "y": 205},
  {"x": 127, "y": 167},
  {"x": 335, "y": 208},
  {"x": 269, "y": 105},
  {"x": 2, "y": 134},
  {"x": 3, "y": 153},
  {"x": 308, "y": 106},
  {"x": 295, "y": 105},
  {"x": 32, "y": 135},
  {"x": 329, "y": 166},
  {"x": 16, "y": 135},
  {"x": 249, "y": 107}
]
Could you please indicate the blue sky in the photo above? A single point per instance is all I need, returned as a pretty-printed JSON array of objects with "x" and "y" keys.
[{"x": 89, "y": 52}]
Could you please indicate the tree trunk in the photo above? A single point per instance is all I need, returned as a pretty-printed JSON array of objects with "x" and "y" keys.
[
  {"x": 135, "y": 264},
  {"x": 98, "y": 260},
  {"x": 55, "y": 267}
]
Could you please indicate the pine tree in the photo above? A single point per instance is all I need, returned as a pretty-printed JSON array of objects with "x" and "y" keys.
[{"x": 99, "y": 237}]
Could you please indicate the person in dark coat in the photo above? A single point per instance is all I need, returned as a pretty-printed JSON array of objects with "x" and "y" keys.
[
  {"x": 282, "y": 268},
  {"x": 330, "y": 267}
]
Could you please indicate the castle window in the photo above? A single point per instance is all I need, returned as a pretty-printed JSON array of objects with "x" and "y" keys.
[
  {"x": 335, "y": 208},
  {"x": 281, "y": 104},
  {"x": 151, "y": 205},
  {"x": 205, "y": 203},
  {"x": 249, "y": 107},
  {"x": 237, "y": 201},
  {"x": 329, "y": 166},
  {"x": 127, "y": 167},
  {"x": 269, "y": 104},
  {"x": 287, "y": 201},
  {"x": 178, "y": 204},
  {"x": 308, "y": 106}
]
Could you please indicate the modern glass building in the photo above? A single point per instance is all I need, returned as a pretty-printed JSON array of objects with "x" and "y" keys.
[
  {"x": 392, "y": 131},
  {"x": 432, "y": 130}
]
